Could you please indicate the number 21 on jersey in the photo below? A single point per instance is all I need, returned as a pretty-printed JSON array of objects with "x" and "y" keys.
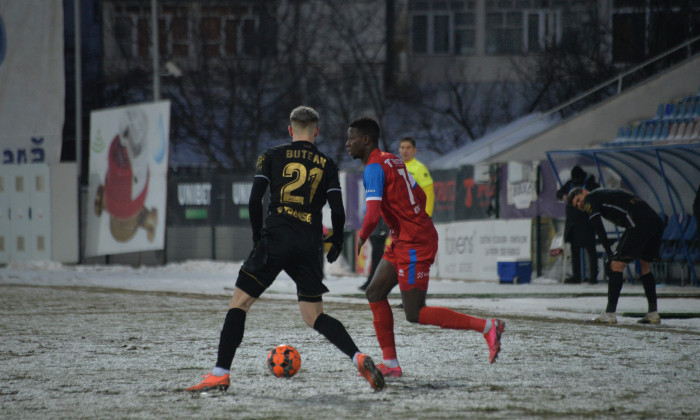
[{"x": 300, "y": 176}]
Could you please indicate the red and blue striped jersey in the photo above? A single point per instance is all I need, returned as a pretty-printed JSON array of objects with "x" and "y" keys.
[{"x": 402, "y": 201}]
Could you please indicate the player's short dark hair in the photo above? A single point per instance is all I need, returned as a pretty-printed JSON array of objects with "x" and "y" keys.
[
  {"x": 303, "y": 116},
  {"x": 367, "y": 127},
  {"x": 572, "y": 194},
  {"x": 409, "y": 140}
]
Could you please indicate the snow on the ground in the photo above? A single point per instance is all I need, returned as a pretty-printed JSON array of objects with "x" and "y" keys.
[{"x": 542, "y": 298}]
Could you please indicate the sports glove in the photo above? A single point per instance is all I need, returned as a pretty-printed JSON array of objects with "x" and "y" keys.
[{"x": 336, "y": 241}]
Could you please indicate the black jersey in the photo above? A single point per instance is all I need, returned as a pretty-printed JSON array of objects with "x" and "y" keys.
[
  {"x": 300, "y": 177},
  {"x": 618, "y": 206}
]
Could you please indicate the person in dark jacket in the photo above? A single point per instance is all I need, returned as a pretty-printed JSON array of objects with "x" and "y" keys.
[{"x": 578, "y": 230}]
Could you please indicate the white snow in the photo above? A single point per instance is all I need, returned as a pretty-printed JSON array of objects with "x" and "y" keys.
[{"x": 543, "y": 298}]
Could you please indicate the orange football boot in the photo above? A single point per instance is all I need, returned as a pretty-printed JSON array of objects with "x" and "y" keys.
[
  {"x": 211, "y": 382},
  {"x": 366, "y": 367}
]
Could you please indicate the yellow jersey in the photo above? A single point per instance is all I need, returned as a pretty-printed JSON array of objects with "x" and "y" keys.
[{"x": 422, "y": 176}]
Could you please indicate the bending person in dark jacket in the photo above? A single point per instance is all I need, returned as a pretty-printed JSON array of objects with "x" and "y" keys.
[{"x": 640, "y": 241}]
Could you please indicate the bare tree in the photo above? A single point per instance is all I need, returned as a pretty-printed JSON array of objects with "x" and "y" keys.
[{"x": 581, "y": 61}]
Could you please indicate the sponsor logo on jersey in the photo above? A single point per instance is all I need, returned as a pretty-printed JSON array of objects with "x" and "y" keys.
[{"x": 299, "y": 215}]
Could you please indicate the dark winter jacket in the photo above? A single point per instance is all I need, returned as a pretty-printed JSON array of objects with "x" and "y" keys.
[{"x": 578, "y": 229}]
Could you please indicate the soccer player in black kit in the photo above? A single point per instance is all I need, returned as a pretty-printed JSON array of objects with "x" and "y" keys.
[
  {"x": 640, "y": 241},
  {"x": 301, "y": 180}
]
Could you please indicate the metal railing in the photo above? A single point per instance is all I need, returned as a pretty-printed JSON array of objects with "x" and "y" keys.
[{"x": 617, "y": 80}]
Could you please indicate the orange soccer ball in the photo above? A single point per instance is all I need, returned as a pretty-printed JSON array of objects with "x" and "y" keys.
[{"x": 284, "y": 361}]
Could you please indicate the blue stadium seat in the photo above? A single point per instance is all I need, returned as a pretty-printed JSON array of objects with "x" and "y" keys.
[
  {"x": 670, "y": 111},
  {"x": 660, "y": 111},
  {"x": 669, "y": 240},
  {"x": 688, "y": 242},
  {"x": 653, "y": 130},
  {"x": 635, "y": 131},
  {"x": 664, "y": 131},
  {"x": 692, "y": 107}
]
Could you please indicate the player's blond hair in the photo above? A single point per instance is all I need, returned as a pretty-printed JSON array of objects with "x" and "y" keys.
[{"x": 303, "y": 117}]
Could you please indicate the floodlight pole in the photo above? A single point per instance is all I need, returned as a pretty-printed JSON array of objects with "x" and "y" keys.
[
  {"x": 156, "y": 53},
  {"x": 78, "y": 118}
]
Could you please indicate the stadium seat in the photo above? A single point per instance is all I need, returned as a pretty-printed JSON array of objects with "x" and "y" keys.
[
  {"x": 664, "y": 131},
  {"x": 670, "y": 111},
  {"x": 695, "y": 135},
  {"x": 672, "y": 130},
  {"x": 695, "y": 113},
  {"x": 692, "y": 106},
  {"x": 656, "y": 132},
  {"x": 660, "y": 111},
  {"x": 622, "y": 134},
  {"x": 680, "y": 131},
  {"x": 687, "y": 243},
  {"x": 670, "y": 242},
  {"x": 680, "y": 111},
  {"x": 635, "y": 131},
  {"x": 689, "y": 128},
  {"x": 671, "y": 236}
]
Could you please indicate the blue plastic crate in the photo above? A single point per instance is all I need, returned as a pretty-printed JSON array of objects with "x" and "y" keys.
[{"x": 515, "y": 271}]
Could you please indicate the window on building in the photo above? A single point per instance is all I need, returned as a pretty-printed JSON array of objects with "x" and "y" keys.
[
  {"x": 222, "y": 31},
  {"x": 628, "y": 37},
  {"x": 441, "y": 34},
  {"x": 229, "y": 34},
  {"x": 419, "y": 34},
  {"x": 642, "y": 32},
  {"x": 211, "y": 37},
  {"x": 511, "y": 26},
  {"x": 504, "y": 32},
  {"x": 249, "y": 36},
  {"x": 180, "y": 37},
  {"x": 465, "y": 33},
  {"x": 124, "y": 35},
  {"x": 443, "y": 27},
  {"x": 542, "y": 30}
]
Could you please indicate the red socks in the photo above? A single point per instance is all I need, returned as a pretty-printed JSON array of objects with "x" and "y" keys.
[
  {"x": 429, "y": 315},
  {"x": 447, "y": 318},
  {"x": 384, "y": 327}
]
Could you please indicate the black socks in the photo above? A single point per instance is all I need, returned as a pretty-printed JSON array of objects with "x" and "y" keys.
[
  {"x": 649, "y": 283},
  {"x": 614, "y": 288},
  {"x": 234, "y": 325},
  {"x": 336, "y": 333},
  {"x": 231, "y": 337}
]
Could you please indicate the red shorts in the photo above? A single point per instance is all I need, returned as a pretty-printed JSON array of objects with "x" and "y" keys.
[{"x": 412, "y": 264}]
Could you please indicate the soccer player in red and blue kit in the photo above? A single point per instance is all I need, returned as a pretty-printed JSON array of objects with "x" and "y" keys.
[{"x": 393, "y": 193}]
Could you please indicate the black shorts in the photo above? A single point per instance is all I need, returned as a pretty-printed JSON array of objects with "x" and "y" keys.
[
  {"x": 289, "y": 246},
  {"x": 641, "y": 242}
]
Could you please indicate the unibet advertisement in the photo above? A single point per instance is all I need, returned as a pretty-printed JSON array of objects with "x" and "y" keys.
[{"x": 127, "y": 185}]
